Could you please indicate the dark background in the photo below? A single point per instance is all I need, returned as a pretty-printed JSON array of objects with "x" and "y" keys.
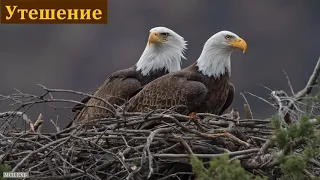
[{"x": 281, "y": 35}]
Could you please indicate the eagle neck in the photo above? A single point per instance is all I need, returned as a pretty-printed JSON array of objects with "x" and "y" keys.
[
  {"x": 214, "y": 61},
  {"x": 160, "y": 57}
]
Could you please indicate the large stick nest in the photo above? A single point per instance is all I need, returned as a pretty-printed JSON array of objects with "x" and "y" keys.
[
  {"x": 154, "y": 145},
  {"x": 117, "y": 148}
]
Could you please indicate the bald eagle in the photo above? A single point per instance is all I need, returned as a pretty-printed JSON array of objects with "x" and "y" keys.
[
  {"x": 202, "y": 87},
  {"x": 162, "y": 55}
]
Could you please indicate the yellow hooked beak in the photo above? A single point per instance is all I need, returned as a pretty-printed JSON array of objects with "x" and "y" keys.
[
  {"x": 239, "y": 43},
  {"x": 153, "y": 37}
]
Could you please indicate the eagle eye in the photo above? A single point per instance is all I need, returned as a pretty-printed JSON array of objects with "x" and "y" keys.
[
  {"x": 228, "y": 37},
  {"x": 164, "y": 34}
]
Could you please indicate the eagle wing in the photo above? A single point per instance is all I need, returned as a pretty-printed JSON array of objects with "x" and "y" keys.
[
  {"x": 116, "y": 90},
  {"x": 118, "y": 74},
  {"x": 78, "y": 107},
  {"x": 229, "y": 99},
  {"x": 169, "y": 91}
]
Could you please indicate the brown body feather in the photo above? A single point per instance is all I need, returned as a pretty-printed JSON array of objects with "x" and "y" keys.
[
  {"x": 117, "y": 89},
  {"x": 189, "y": 88},
  {"x": 229, "y": 100}
]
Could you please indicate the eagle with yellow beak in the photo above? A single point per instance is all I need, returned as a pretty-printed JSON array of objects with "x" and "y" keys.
[
  {"x": 162, "y": 55},
  {"x": 202, "y": 87}
]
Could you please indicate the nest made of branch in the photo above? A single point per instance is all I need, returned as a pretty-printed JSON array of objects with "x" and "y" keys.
[{"x": 154, "y": 145}]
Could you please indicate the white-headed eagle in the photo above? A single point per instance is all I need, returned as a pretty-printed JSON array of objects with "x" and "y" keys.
[
  {"x": 162, "y": 55},
  {"x": 202, "y": 87}
]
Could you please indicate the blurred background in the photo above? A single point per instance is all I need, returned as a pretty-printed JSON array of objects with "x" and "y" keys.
[{"x": 281, "y": 35}]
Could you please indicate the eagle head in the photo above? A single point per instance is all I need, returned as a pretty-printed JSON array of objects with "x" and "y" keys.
[
  {"x": 228, "y": 40},
  {"x": 164, "y": 50},
  {"x": 162, "y": 36},
  {"x": 215, "y": 57}
]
